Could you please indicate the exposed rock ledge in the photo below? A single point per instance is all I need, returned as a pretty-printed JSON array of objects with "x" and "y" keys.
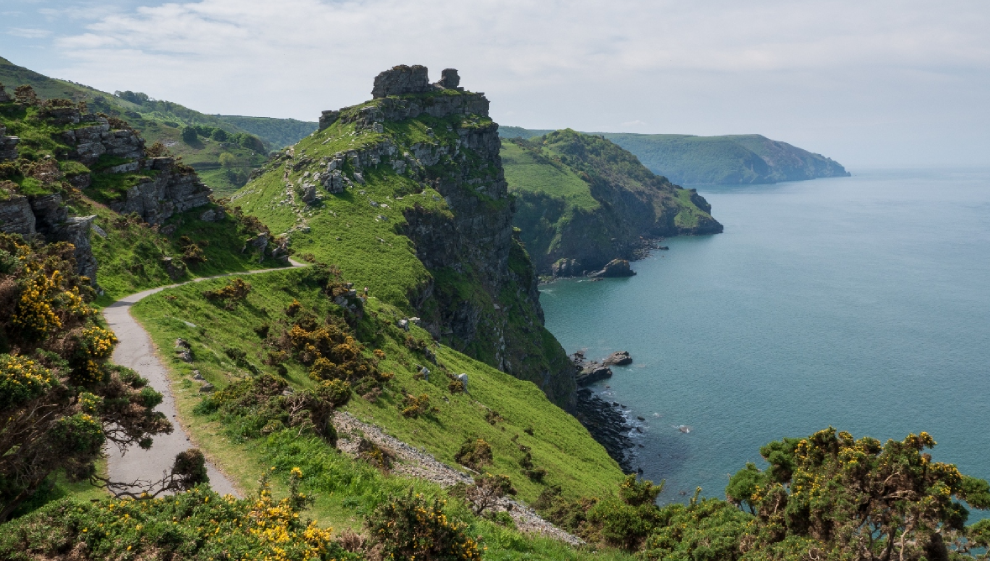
[{"x": 417, "y": 463}]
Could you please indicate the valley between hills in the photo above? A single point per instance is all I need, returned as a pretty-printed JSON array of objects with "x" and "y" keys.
[{"x": 381, "y": 385}]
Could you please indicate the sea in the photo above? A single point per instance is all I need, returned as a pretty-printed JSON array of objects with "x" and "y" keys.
[{"x": 860, "y": 303}]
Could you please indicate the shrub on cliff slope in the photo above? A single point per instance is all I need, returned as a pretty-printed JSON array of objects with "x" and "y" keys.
[{"x": 826, "y": 496}]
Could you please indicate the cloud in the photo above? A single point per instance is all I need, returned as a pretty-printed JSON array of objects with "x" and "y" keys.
[
  {"x": 582, "y": 63},
  {"x": 29, "y": 33}
]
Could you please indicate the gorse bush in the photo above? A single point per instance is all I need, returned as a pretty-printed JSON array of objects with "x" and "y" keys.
[
  {"x": 264, "y": 405},
  {"x": 475, "y": 453},
  {"x": 60, "y": 402},
  {"x": 415, "y": 527},
  {"x": 197, "y": 524}
]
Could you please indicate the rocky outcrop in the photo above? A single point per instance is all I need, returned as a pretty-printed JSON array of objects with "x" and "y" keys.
[
  {"x": 48, "y": 217},
  {"x": 8, "y": 144},
  {"x": 400, "y": 80},
  {"x": 16, "y": 216},
  {"x": 615, "y": 268},
  {"x": 76, "y": 230},
  {"x": 171, "y": 190},
  {"x": 98, "y": 138},
  {"x": 4, "y": 96},
  {"x": 618, "y": 358}
]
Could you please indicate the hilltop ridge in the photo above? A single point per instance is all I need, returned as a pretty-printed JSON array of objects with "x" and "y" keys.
[{"x": 715, "y": 160}]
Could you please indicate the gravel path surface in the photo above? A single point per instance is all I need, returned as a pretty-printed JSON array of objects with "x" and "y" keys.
[
  {"x": 414, "y": 462},
  {"x": 136, "y": 351}
]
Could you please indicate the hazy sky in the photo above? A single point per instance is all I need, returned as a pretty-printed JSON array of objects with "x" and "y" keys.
[{"x": 865, "y": 82}]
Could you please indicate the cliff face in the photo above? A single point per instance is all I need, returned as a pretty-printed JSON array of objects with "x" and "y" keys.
[
  {"x": 584, "y": 201},
  {"x": 423, "y": 161}
]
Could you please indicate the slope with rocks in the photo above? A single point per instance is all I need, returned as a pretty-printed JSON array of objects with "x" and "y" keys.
[
  {"x": 584, "y": 202},
  {"x": 201, "y": 140},
  {"x": 406, "y": 194},
  {"x": 136, "y": 216}
]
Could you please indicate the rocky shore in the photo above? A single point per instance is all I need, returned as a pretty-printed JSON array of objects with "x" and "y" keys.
[
  {"x": 606, "y": 423},
  {"x": 603, "y": 419}
]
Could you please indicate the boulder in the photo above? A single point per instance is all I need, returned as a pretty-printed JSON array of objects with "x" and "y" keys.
[
  {"x": 16, "y": 216},
  {"x": 174, "y": 268},
  {"x": 567, "y": 268},
  {"x": 618, "y": 358},
  {"x": 463, "y": 379},
  {"x": 615, "y": 268},
  {"x": 449, "y": 79},
  {"x": 592, "y": 373}
]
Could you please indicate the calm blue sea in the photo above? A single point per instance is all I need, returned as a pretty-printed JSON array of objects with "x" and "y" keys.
[{"x": 862, "y": 303}]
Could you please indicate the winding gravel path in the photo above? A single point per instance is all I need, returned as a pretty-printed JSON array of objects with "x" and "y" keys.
[{"x": 135, "y": 350}]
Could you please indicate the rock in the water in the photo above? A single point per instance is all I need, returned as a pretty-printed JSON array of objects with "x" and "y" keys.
[
  {"x": 592, "y": 373},
  {"x": 618, "y": 358},
  {"x": 615, "y": 268}
]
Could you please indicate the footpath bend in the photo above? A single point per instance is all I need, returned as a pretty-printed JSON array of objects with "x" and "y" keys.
[{"x": 136, "y": 351}]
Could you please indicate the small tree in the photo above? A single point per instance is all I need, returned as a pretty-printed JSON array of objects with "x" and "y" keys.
[
  {"x": 227, "y": 160},
  {"x": 189, "y": 135}
]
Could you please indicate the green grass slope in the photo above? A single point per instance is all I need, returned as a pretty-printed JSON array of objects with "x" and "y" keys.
[
  {"x": 558, "y": 443},
  {"x": 581, "y": 197}
]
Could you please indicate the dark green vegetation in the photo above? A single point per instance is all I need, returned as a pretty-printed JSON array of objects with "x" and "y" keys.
[
  {"x": 278, "y": 133},
  {"x": 582, "y": 198},
  {"x": 826, "y": 496},
  {"x": 714, "y": 160},
  {"x": 164, "y": 121}
]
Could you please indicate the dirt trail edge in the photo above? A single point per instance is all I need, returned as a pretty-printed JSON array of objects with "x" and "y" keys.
[{"x": 136, "y": 351}]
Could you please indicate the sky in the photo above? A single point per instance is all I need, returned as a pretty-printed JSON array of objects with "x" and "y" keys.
[{"x": 868, "y": 83}]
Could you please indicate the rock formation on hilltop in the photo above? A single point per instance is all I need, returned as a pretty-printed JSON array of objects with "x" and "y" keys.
[{"x": 431, "y": 152}]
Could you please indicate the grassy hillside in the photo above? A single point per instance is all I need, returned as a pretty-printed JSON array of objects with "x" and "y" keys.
[
  {"x": 245, "y": 140},
  {"x": 558, "y": 443},
  {"x": 715, "y": 160},
  {"x": 278, "y": 133},
  {"x": 581, "y": 197}
]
